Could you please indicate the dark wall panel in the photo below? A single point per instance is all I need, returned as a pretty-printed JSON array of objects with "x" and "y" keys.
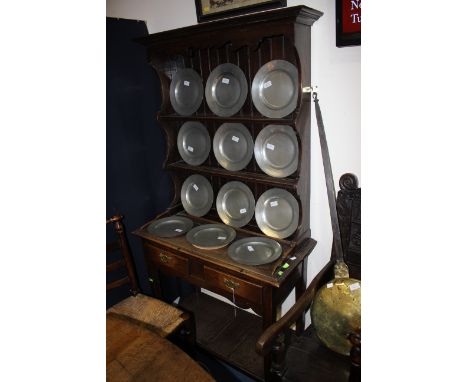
[{"x": 137, "y": 187}]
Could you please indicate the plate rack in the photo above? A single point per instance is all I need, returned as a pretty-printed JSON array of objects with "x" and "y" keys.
[{"x": 249, "y": 42}]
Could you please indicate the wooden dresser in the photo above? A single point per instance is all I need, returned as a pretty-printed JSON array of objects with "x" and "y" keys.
[{"x": 249, "y": 42}]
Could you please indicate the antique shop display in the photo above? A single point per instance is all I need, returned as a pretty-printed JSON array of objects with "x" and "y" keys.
[
  {"x": 186, "y": 92},
  {"x": 275, "y": 89},
  {"x": 193, "y": 143},
  {"x": 255, "y": 250},
  {"x": 226, "y": 90},
  {"x": 171, "y": 226},
  {"x": 250, "y": 238},
  {"x": 211, "y": 236},
  {"x": 196, "y": 195},
  {"x": 235, "y": 204},
  {"x": 276, "y": 150},
  {"x": 233, "y": 146},
  {"x": 336, "y": 311}
]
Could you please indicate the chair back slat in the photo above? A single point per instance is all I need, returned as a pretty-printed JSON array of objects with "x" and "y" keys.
[
  {"x": 115, "y": 265},
  {"x": 118, "y": 283},
  {"x": 126, "y": 260}
]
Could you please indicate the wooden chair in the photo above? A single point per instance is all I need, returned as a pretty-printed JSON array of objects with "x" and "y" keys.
[
  {"x": 136, "y": 329},
  {"x": 156, "y": 315},
  {"x": 302, "y": 357}
]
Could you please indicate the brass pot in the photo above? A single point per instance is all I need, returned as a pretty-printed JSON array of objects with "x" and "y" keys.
[{"x": 336, "y": 311}]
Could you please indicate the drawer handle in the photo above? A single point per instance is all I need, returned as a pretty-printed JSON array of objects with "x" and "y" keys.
[
  {"x": 164, "y": 258},
  {"x": 231, "y": 284}
]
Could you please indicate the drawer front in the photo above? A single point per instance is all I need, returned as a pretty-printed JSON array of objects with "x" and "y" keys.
[
  {"x": 226, "y": 282},
  {"x": 167, "y": 260}
]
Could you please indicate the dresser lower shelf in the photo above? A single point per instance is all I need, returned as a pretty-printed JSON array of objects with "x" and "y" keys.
[{"x": 228, "y": 337}]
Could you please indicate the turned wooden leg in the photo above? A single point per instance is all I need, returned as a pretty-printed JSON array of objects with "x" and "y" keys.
[
  {"x": 300, "y": 289},
  {"x": 278, "y": 357},
  {"x": 269, "y": 312}
]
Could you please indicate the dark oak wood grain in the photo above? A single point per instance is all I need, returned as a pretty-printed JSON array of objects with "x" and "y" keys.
[{"x": 249, "y": 42}]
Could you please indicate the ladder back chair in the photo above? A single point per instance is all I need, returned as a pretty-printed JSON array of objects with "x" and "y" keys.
[{"x": 154, "y": 314}]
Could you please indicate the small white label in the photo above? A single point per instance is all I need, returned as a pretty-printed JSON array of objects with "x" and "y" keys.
[
  {"x": 190, "y": 148},
  {"x": 354, "y": 286},
  {"x": 186, "y": 83},
  {"x": 243, "y": 211},
  {"x": 293, "y": 258},
  {"x": 178, "y": 230},
  {"x": 250, "y": 248},
  {"x": 329, "y": 285},
  {"x": 266, "y": 85},
  {"x": 274, "y": 204},
  {"x": 235, "y": 139},
  {"x": 270, "y": 146},
  {"x": 221, "y": 237},
  {"x": 225, "y": 80},
  {"x": 195, "y": 187}
]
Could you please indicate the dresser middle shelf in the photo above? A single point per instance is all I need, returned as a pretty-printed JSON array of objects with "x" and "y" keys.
[{"x": 246, "y": 176}]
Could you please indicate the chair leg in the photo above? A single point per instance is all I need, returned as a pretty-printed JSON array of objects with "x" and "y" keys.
[
  {"x": 278, "y": 357},
  {"x": 188, "y": 333}
]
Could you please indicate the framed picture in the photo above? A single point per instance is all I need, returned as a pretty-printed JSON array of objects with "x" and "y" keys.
[
  {"x": 348, "y": 22},
  {"x": 208, "y": 10}
]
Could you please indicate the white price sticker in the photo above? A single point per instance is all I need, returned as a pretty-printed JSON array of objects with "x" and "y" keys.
[
  {"x": 190, "y": 148},
  {"x": 329, "y": 285},
  {"x": 235, "y": 139},
  {"x": 195, "y": 187},
  {"x": 266, "y": 85},
  {"x": 221, "y": 237},
  {"x": 243, "y": 211},
  {"x": 270, "y": 146},
  {"x": 250, "y": 248},
  {"x": 293, "y": 258},
  {"x": 354, "y": 286},
  {"x": 274, "y": 204},
  {"x": 225, "y": 80},
  {"x": 178, "y": 230},
  {"x": 186, "y": 83}
]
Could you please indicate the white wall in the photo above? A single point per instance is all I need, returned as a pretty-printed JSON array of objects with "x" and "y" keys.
[{"x": 336, "y": 72}]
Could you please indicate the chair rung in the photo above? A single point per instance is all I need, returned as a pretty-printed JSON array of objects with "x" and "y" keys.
[
  {"x": 117, "y": 283},
  {"x": 115, "y": 265}
]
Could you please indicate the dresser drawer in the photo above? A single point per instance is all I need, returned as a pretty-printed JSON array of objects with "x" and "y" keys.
[
  {"x": 167, "y": 260},
  {"x": 226, "y": 282}
]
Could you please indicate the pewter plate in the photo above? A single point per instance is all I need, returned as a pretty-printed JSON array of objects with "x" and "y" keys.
[
  {"x": 277, "y": 150},
  {"x": 196, "y": 195},
  {"x": 275, "y": 89},
  {"x": 193, "y": 143},
  {"x": 171, "y": 226},
  {"x": 211, "y": 236},
  {"x": 235, "y": 204},
  {"x": 255, "y": 251},
  {"x": 233, "y": 146},
  {"x": 226, "y": 90},
  {"x": 277, "y": 213},
  {"x": 186, "y": 91}
]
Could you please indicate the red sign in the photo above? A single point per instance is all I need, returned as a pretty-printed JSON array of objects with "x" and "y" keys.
[{"x": 351, "y": 16}]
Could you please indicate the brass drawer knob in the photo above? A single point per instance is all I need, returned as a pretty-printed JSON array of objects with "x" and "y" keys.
[
  {"x": 164, "y": 258},
  {"x": 231, "y": 284}
]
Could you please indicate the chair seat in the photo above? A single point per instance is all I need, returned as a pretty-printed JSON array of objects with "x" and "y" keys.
[
  {"x": 136, "y": 354},
  {"x": 308, "y": 360},
  {"x": 154, "y": 314}
]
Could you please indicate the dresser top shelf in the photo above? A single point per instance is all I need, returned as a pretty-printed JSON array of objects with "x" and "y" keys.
[{"x": 299, "y": 14}]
